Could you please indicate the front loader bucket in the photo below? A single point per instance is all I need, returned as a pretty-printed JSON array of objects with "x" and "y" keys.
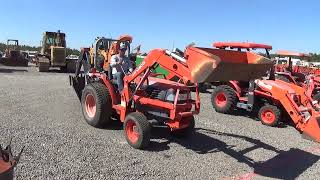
[
  {"x": 209, "y": 65},
  {"x": 311, "y": 130}
]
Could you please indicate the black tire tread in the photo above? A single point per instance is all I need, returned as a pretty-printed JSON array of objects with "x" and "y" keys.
[
  {"x": 231, "y": 96},
  {"x": 104, "y": 102},
  {"x": 276, "y": 111},
  {"x": 145, "y": 128}
]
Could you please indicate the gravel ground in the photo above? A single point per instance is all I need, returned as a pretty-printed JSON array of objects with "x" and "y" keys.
[{"x": 41, "y": 112}]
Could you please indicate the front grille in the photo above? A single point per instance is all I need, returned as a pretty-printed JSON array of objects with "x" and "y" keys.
[{"x": 58, "y": 56}]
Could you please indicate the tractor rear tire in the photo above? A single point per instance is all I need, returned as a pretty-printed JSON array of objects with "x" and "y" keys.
[
  {"x": 96, "y": 105},
  {"x": 186, "y": 131},
  {"x": 224, "y": 99},
  {"x": 137, "y": 130},
  {"x": 269, "y": 115},
  {"x": 283, "y": 78}
]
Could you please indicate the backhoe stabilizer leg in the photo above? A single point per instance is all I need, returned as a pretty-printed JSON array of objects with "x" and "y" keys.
[
  {"x": 78, "y": 83},
  {"x": 311, "y": 131}
]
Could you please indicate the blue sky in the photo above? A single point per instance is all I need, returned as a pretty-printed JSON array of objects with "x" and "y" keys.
[{"x": 285, "y": 24}]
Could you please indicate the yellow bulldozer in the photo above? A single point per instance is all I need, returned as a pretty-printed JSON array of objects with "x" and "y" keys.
[{"x": 53, "y": 53}]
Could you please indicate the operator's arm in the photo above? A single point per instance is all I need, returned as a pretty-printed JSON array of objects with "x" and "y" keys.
[
  {"x": 130, "y": 65},
  {"x": 114, "y": 61}
]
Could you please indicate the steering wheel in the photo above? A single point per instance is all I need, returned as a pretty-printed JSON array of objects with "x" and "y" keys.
[{"x": 179, "y": 52}]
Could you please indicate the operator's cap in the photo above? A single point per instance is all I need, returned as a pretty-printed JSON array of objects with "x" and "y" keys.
[{"x": 123, "y": 47}]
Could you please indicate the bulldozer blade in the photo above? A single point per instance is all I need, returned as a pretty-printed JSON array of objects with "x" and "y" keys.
[
  {"x": 209, "y": 65},
  {"x": 312, "y": 129}
]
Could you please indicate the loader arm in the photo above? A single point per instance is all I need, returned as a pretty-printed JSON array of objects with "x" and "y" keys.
[
  {"x": 154, "y": 58},
  {"x": 161, "y": 57}
]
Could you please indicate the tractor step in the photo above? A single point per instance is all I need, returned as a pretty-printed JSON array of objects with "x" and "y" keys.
[{"x": 245, "y": 106}]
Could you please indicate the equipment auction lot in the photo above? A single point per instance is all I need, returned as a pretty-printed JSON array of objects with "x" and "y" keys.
[{"x": 41, "y": 112}]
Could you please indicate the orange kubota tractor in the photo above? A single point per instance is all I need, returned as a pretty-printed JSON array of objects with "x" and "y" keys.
[
  {"x": 13, "y": 55},
  {"x": 148, "y": 100},
  {"x": 269, "y": 97}
]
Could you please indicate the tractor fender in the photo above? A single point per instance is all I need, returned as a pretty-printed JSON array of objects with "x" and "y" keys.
[
  {"x": 233, "y": 84},
  {"x": 107, "y": 83}
]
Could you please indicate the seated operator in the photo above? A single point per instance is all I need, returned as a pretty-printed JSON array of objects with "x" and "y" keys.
[{"x": 120, "y": 65}]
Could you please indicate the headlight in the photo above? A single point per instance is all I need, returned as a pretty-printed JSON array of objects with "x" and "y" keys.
[
  {"x": 171, "y": 94},
  {"x": 182, "y": 97}
]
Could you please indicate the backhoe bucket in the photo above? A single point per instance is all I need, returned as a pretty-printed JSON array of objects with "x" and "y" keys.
[
  {"x": 311, "y": 130},
  {"x": 209, "y": 65}
]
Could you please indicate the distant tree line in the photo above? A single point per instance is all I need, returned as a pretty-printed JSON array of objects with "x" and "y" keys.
[
  {"x": 38, "y": 48},
  {"x": 314, "y": 56}
]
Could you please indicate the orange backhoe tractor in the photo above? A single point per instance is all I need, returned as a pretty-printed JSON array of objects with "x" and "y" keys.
[
  {"x": 149, "y": 100},
  {"x": 13, "y": 55},
  {"x": 270, "y": 98}
]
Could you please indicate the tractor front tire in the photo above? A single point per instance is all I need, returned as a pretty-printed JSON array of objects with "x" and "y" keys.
[
  {"x": 269, "y": 115},
  {"x": 96, "y": 105},
  {"x": 137, "y": 130},
  {"x": 224, "y": 99}
]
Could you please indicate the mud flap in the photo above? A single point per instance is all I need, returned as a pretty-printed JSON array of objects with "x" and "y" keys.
[
  {"x": 312, "y": 129},
  {"x": 78, "y": 83}
]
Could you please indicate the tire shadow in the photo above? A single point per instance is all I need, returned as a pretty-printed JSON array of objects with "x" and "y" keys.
[
  {"x": 6, "y": 70},
  {"x": 253, "y": 116},
  {"x": 285, "y": 165}
]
